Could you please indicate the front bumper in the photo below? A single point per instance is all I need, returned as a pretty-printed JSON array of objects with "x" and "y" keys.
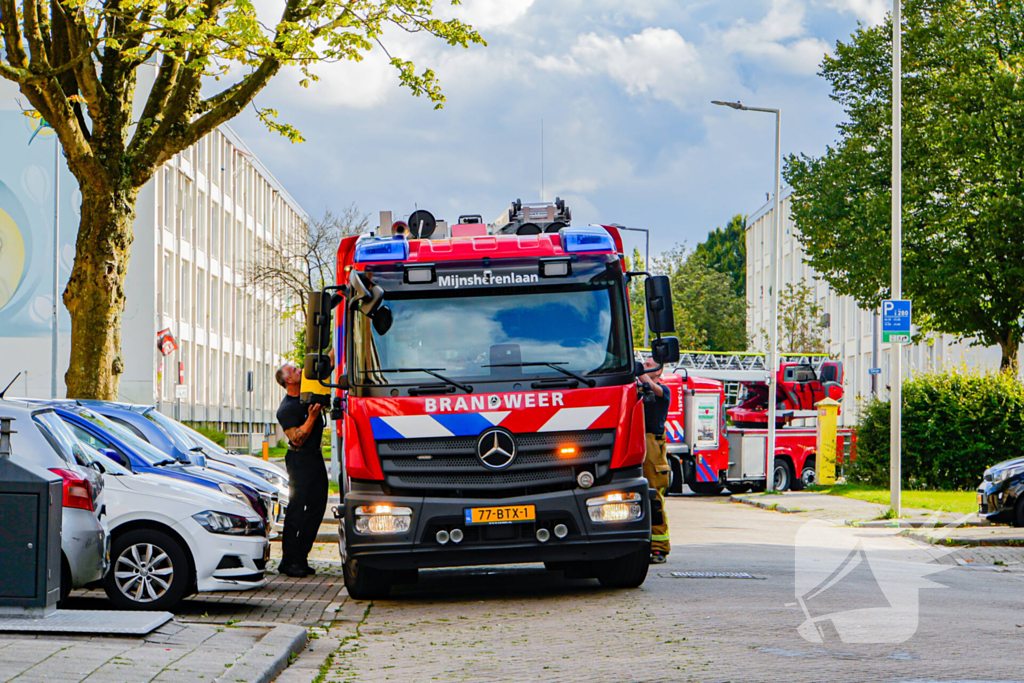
[
  {"x": 996, "y": 501},
  {"x": 227, "y": 563},
  {"x": 497, "y": 543}
]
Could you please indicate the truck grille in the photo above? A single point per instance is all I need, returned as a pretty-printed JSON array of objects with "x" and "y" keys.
[{"x": 449, "y": 466}]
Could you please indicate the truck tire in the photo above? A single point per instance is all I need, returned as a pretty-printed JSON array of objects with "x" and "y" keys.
[
  {"x": 1018, "y": 512},
  {"x": 783, "y": 475},
  {"x": 706, "y": 488},
  {"x": 628, "y": 571},
  {"x": 807, "y": 476},
  {"x": 675, "y": 482},
  {"x": 365, "y": 583},
  {"x": 739, "y": 488}
]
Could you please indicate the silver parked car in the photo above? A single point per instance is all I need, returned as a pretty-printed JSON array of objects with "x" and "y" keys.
[{"x": 39, "y": 439}]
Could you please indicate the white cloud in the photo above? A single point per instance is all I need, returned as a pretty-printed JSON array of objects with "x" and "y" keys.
[
  {"x": 488, "y": 15},
  {"x": 656, "y": 61},
  {"x": 870, "y": 11},
  {"x": 780, "y": 37}
]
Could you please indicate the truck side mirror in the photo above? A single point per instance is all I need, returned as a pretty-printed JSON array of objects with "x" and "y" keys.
[
  {"x": 318, "y": 321},
  {"x": 317, "y": 366},
  {"x": 665, "y": 350},
  {"x": 660, "y": 317}
]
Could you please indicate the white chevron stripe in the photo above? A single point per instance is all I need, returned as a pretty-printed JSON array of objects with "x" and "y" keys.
[
  {"x": 416, "y": 426},
  {"x": 571, "y": 419},
  {"x": 495, "y": 417}
]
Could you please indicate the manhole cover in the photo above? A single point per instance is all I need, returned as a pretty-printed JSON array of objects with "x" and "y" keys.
[{"x": 712, "y": 575}]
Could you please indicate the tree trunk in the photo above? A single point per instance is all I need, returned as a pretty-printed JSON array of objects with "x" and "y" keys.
[
  {"x": 95, "y": 294},
  {"x": 1009, "y": 344}
]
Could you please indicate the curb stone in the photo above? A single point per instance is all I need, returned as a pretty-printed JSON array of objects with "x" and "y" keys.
[{"x": 269, "y": 657}]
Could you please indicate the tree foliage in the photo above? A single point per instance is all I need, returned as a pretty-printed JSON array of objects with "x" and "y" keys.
[
  {"x": 78, "y": 64},
  {"x": 725, "y": 250},
  {"x": 800, "y": 320},
  {"x": 955, "y": 424},
  {"x": 963, "y": 150}
]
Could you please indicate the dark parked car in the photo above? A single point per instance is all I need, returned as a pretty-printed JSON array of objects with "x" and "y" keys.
[{"x": 999, "y": 496}]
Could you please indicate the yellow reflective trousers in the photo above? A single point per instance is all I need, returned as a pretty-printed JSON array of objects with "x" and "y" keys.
[{"x": 656, "y": 470}]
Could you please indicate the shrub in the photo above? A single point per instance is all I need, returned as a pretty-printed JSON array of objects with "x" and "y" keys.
[
  {"x": 211, "y": 433},
  {"x": 955, "y": 424}
]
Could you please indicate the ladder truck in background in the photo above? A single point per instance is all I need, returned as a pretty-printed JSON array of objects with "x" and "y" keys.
[
  {"x": 710, "y": 455},
  {"x": 486, "y": 397}
]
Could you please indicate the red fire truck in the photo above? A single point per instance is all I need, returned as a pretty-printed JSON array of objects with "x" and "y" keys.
[
  {"x": 709, "y": 455},
  {"x": 487, "y": 399}
]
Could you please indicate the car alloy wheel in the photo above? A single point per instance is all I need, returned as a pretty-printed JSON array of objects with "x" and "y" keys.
[
  {"x": 143, "y": 572},
  {"x": 149, "y": 570}
]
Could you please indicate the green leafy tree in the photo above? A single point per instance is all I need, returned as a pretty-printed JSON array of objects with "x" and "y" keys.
[
  {"x": 77, "y": 63},
  {"x": 800, "y": 320},
  {"x": 725, "y": 250},
  {"x": 963, "y": 190},
  {"x": 637, "y": 303}
]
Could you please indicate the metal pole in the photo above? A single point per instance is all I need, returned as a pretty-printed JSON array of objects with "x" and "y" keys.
[
  {"x": 874, "y": 352},
  {"x": 773, "y": 368},
  {"x": 647, "y": 267},
  {"x": 896, "y": 396},
  {"x": 55, "y": 336}
]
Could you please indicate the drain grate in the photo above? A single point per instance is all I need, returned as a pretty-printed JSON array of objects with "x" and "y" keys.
[{"x": 712, "y": 575}]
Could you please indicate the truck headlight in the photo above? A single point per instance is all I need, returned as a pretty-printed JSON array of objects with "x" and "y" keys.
[
  {"x": 383, "y": 519},
  {"x": 615, "y": 507}
]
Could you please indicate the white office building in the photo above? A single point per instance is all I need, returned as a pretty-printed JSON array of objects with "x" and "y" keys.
[
  {"x": 851, "y": 334},
  {"x": 205, "y": 214}
]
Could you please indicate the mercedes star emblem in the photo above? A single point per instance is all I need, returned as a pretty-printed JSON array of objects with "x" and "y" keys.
[{"x": 496, "y": 448}]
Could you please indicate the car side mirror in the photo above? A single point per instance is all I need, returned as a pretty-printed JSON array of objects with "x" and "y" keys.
[
  {"x": 665, "y": 350},
  {"x": 116, "y": 457},
  {"x": 660, "y": 317},
  {"x": 98, "y": 466}
]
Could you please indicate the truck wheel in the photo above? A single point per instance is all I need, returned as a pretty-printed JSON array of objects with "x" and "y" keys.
[
  {"x": 628, "y": 571},
  {"x": 706, "y": 488},
  {"x": 807, "y": 476},
  {"x": 675, "y": 482},
  {"x": 365, "y": 583},
  {"x": 783, "y": 475},
  {"x": 739, "y": 488},
  {"x": 149, "y": 570}
]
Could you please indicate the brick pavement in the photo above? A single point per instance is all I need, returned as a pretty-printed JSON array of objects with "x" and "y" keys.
[{"x": 526, "y": 624}]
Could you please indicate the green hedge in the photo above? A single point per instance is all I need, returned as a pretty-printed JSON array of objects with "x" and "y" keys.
[
  {"x": 955, "y": 424},
  {"x": 214, "y": 435}
]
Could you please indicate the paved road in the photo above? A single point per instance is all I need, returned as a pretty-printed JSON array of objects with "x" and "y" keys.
[{"x": 526, "y": 624}]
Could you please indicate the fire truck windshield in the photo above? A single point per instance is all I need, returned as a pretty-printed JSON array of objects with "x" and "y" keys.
[{"x": 483, "y": 337}]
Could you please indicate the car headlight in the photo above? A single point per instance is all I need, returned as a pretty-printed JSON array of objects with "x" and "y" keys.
[
  {"x": 226, "y": 523},
  {"x": 236, "y": 493},
  {"x": 615, "y": 507},
  {"x": 1002, "y": 475},
  {"x": 271, "y": 476}
]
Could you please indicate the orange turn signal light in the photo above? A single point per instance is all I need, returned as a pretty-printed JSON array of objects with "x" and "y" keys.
[{"x": 568, "y": 450}]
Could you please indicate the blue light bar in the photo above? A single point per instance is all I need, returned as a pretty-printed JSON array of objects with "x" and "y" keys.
[
  {"x": 382, "y": 249},
  {"x": 582, "y": 240}
]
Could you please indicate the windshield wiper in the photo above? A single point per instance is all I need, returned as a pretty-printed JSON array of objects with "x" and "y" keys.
[
  {"x": 433, "y": 373},
  {"x": 553, "y": 366}
]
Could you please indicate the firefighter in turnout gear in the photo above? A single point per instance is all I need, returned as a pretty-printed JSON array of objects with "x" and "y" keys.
[{"x": 657, "y": 400}]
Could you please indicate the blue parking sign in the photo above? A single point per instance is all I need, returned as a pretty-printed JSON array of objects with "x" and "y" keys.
[{"x": 895, "y": 321}]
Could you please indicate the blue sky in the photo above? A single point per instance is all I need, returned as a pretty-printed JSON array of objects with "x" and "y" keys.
[{"x": 623, "y": 88}]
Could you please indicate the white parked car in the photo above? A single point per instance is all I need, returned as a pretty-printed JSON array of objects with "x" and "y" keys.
[{"x": 170, "y": 538}]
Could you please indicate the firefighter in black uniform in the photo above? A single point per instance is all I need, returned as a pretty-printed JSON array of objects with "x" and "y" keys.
[{"x": 304, "y": 426}]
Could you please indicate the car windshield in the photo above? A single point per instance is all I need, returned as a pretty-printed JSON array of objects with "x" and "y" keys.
[
  {"x": 58, "y": 436},
  {"x": 581, "y": 329},
  {"x": 85, "y": 448},
  {"x": 144, "y": 450},
  {"x": 178, "y": 431}
]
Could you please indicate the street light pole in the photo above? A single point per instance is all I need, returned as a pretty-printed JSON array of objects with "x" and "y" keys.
[
  {"x": 647, "y": 267},
  {"x": 776, "y": 278},
  {"x": 896, "y": 351}
]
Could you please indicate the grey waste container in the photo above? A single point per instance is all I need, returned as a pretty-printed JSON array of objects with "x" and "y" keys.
[{"x": 31, "y": 499}]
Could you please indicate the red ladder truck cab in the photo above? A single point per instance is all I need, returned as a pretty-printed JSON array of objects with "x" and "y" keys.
[
  {"x": 734, "y": 457},
  {"x": 487, "y": 400}
]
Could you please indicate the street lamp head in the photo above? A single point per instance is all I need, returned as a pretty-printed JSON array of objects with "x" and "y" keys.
[{"x": 734, "y": 105}]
